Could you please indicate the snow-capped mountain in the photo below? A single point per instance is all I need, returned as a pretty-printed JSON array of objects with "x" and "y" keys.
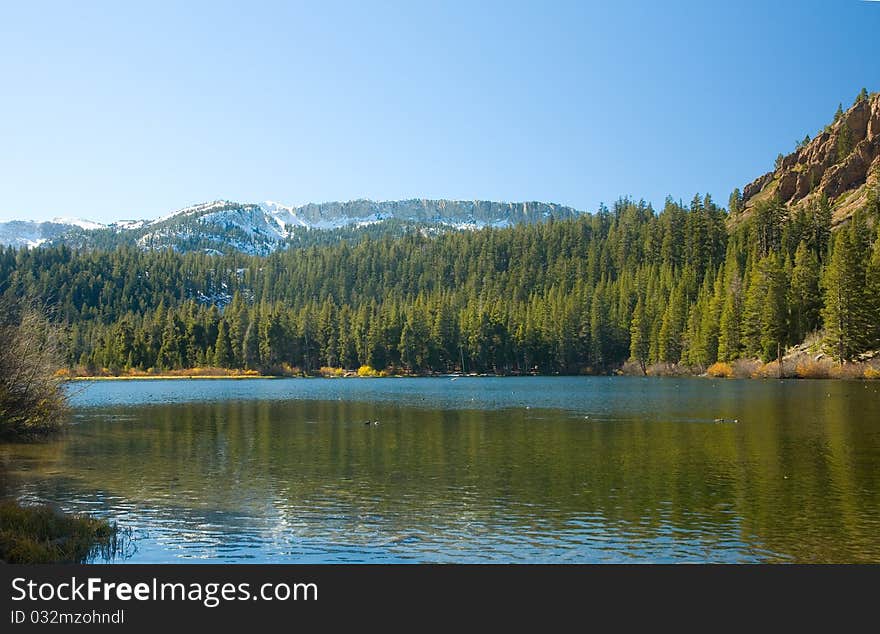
[
  {"x": 259, "y": 229},
  {"x": 26, "y": 233}
]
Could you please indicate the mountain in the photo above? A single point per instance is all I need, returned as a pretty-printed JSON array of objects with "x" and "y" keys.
[
  {"x": 259, "y": 229},
  {"x": 25, "y": 233},
  {"x": 842, "y": 163}
]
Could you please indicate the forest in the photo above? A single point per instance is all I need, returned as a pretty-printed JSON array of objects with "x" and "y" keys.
[{"x": 687, "y": 287}]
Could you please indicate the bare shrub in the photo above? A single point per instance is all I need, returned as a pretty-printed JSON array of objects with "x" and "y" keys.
[
  {"x": 32, "y": 400},
  {"x": 848, "y": 371},
  {"x": 746, "y": 368},
  {"x": 630, "y": 368},
  {"x": 812, "y": 369}
]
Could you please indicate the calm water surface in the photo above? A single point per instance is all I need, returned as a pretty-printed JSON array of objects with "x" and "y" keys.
[{"x": 470, "y": 470}]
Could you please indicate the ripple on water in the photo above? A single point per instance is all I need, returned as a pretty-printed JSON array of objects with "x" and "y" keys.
[{"x": 568, "y": 469}]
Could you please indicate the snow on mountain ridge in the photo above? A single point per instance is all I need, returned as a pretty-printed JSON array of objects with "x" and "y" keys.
[
  {"x": 264, "y": 227},
  {"x": 88, "y": 225}
]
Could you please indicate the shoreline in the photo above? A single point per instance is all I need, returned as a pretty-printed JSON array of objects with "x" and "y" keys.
[
  {"x": 166, "y": 377},
  {"x": 222, "y": 377}
]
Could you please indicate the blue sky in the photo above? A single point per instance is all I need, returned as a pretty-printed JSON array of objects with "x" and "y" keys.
[{"x": 114, "y": 110}]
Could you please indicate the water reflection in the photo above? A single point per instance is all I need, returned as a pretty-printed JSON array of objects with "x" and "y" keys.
[{"x": 561, "y": 470}]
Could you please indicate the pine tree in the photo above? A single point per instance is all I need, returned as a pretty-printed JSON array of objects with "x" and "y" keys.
[
  {"x": 845, "y": 143},
  {"x": 640, "y": 334},
  {"x": 599, "y": 327},
  {"x": 805, "y": 296},
  {"x": 774, "y": 317},
  {"x": 734, "y": 203},
  {"x": 251, "y": 345},
  {"x": 673, "y": 324},
  {"x": 223, "y": 353},
  {"x": 820, "y": 227},
  {"x": 872, "y": 292},
  {"x": 846, "y": 313},
  {"x": 408, "y": 347},
  {"x": 172, "y": 345},
  {"x": 753, "y": 308}
]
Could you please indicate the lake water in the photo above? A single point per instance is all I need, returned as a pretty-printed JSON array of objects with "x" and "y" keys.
[{"x": 530, "y": 469}]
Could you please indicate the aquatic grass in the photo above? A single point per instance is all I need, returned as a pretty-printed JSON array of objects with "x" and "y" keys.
[{"x": 43, "y": 535}]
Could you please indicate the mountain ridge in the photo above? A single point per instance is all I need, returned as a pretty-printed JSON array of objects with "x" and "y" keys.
[
  {"x": 260, "y": 228},
  {"x": 839, "y": 168}
]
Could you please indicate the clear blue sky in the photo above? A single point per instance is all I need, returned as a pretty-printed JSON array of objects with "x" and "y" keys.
[{"x": 113, "y": 111}]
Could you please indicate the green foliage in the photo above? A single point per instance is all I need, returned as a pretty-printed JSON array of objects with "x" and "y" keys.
[
  {"x": 735, "y": 202},
  {"x": 730, "y": 320},
  {"x": 845, "y": 143},
  {"x": 774, "y": 313},
  {"x": 848, "y": 312},
  {"x": 640, "y": 335},
  {"x": 805, "y": 299},
  {"x": 562, "y": 296}
]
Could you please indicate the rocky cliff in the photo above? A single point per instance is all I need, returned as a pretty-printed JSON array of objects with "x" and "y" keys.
[{"x": 842, "y": 162}]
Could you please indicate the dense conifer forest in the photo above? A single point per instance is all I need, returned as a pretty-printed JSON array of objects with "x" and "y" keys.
[{"x": 689, "y": 286}]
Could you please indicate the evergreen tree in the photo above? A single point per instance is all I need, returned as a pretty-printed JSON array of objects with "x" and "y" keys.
[
  {"x": 805, "y": 296},
  {"x": 846, "y": 313},
  {"x": 735, "y": 202},
  {"x": 223, "y": 353},
  {"x": 251, "y": 345},
  {"x": 872, "y": 292},
  {"x": 640, "y": 336},
  {"x": 845, "y": 143},
  {"x": 753, "y": 309},
  {"x": 599, "y": 327},
  {"x": 774, "y": 318}
]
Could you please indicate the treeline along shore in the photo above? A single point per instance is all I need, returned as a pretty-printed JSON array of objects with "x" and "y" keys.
[{"x": 623, "y": 288}]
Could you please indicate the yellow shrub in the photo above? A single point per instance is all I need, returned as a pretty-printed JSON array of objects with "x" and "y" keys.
[
  {"x": 720, "y": 370},
  {"x": 331, "y": 371},
  {"x": 872, "y": 373},
  {"x": 847, "y": 371},
  {"x": 290, "y": 370},
  {"x": 812, "y": 370},
  {"x": 366, "y": 370}
]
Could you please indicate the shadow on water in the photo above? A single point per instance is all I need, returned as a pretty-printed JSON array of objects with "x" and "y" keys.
[{"x": 480, "y": 470}]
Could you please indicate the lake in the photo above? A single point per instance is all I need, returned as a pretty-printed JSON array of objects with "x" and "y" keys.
[{"x": 530, "y": 469}]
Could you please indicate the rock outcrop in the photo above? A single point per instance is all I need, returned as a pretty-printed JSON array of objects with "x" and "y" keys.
[{"x": 842, "y": 162}]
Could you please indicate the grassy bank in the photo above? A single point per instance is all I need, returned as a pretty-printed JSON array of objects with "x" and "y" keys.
[
  {"x": 157, "y": 377},
  {"x": 41, "y": 535},
  {"x": 740, "y": 369},
  {"x": 791, "y": 368}
]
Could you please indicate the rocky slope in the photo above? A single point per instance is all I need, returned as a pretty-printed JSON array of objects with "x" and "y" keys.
[{"x": 842, "y": 162}]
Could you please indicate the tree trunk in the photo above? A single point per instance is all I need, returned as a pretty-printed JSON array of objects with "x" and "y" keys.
[{"x": 779, "y": 357}]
